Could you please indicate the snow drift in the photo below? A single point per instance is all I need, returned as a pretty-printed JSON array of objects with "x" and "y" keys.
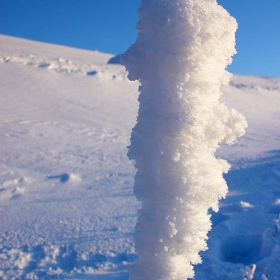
[{"x": 180, "y": 56}]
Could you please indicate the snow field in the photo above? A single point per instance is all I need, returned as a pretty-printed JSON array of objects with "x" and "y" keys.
[
  {"x": 67, "y": 209},
  {"x": 52, "y": 170}
]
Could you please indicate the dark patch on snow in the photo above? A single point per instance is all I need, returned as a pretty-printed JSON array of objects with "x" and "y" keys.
[
  {"x": 63, "y": 178},
  {"x": 67, "y": 258},
  {"x": 242, "y": 249},
  {"x": 274, "y": 209},
  {"x": 115, "y": 60},
  {"x": 218, "y": 218},
  {"x": 43, "y": 64},
  {"x": 92, "y": 73},
  {"x": 38, "y": 254}
]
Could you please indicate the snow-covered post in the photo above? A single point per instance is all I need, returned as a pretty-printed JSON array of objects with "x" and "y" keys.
[{"x": 180, "y": 56}]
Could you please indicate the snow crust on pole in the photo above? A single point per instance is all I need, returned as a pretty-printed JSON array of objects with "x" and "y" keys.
[{"x": 179, "y": 57}]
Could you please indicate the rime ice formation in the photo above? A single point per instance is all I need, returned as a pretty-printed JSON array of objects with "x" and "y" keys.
[{"x": 180, "y": 56}]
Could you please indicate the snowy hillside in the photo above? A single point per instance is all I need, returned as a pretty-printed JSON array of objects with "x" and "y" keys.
[{"x": 67, "y": 208}]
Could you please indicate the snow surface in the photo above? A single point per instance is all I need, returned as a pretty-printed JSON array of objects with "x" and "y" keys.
[{"x": 67, "y": 208}]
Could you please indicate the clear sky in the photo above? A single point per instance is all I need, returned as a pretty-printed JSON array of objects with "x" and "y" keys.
[{"x": 109, "y": 26}]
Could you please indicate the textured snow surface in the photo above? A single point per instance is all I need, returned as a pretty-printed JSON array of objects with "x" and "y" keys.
[
  {"x": 179, "y": 57},
  {"x": 67, "y": 208}
]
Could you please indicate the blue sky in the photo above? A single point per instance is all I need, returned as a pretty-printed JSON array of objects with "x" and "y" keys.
[{"x": 109, "y": 26}]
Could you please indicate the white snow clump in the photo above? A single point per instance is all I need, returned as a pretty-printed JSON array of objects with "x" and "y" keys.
[{"x": 180, "y": 56}]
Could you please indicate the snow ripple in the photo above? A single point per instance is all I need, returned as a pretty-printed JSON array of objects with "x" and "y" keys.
[{"x": 61, "y": 65}]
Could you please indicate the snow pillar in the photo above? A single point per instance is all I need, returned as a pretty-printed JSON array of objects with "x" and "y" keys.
[{"x": 180, "y": 56}]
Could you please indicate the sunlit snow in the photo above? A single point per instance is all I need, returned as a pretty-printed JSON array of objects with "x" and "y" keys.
[
  {"x": 179, "y": 57},
  {"x": 67, "y": 207}
]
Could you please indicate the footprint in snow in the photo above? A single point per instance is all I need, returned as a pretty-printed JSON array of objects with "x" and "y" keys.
[{"x": 10, "y": 189}]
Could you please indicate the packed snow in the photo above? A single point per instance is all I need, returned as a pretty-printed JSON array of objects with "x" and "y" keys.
[
  {"x": 67, "y": 208},
  {"x": 179, "y": 58}
]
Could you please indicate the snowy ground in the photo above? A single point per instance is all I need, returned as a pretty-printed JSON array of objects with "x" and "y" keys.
[{"x": 67, "y": 208}]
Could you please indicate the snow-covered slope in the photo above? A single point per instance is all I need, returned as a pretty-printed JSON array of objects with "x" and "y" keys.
[{"x": 67, "y": 208}]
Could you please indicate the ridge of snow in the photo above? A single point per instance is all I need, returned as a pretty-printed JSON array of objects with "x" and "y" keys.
[
  {"x": 26, "y": 47},
  {"x": 65, "y": 65}
]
